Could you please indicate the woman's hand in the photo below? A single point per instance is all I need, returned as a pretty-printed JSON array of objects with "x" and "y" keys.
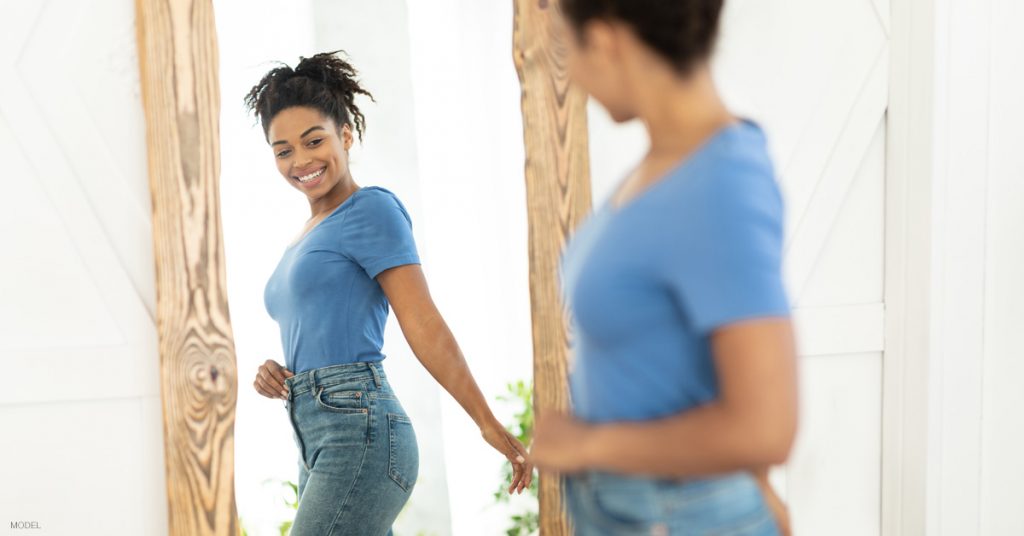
[
  {"x": 507, "y": 444},
  {"x": 270, "y": 378},
  {"x": 561, "y": 443}
]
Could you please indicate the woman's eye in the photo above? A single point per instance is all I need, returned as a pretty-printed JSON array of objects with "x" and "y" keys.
[
  {"x": 283, "y": 153},
  {"x": 314, "y": 143}
]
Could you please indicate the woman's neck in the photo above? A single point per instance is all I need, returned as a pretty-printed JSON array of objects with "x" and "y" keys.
[
  {"x": 336, "y": 196},
  {"x": 680, "y": 114}
]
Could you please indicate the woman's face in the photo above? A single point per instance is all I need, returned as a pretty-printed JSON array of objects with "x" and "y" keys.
[
  {"x": 310, "y": 151},
  {"x": 596, "y": 62}
]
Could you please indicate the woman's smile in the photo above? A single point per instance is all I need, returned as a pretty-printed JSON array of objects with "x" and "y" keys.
[{"x": 310, "y": 180}]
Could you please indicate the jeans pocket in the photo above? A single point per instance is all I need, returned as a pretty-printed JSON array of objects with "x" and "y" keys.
[
  {"x": 731, "y": 504},
  {"x": 612, "y": 504},
  {"x": 403, "y": 455},
  {"x": 341, "y": 400}
]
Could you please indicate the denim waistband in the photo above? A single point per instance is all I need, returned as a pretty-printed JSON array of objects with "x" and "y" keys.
[
  {"x": 599, "y": 477},
  {"x": 309, "y": 380}
]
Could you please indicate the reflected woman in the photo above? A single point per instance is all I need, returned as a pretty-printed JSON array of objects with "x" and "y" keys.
[
  {"x": 684, "y": 376},
  {"x": 331, "y": 294}
]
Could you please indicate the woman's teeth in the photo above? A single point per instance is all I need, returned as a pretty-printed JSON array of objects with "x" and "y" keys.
[{"x": 311, "y": 176}]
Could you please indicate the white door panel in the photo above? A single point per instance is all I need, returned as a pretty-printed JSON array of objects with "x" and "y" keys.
[
  {"x": 856, "y": 243},
  {"x": 833, "y": 482},
  {"x": 815, "y": 74},
  {"x": 78, "y": 348}
]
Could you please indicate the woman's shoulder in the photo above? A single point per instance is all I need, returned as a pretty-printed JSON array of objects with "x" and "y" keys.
[
  {"x": 735, "y": 179},
  {"x": 744, "y": 152},
  {"x": 377, "y": 201},
  {"x": 741, "y": 168}
]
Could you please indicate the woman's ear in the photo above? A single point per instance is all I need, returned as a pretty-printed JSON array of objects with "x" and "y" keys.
[
  {"x": 601, "y": 37},
  {"x": 346, "y": 136}
]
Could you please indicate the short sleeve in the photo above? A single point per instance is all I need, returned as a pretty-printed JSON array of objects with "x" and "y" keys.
[
  {"x": 724, "y": 259},
  {"x": 379, "y": 233}
]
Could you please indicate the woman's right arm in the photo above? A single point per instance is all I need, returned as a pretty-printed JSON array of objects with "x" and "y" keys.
[{"x": 751, "y": 424}]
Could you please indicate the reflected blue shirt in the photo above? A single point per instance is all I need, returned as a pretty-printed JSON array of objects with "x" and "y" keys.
[
  {"x": 647, "y": 283},
  {"x": 323, "y": 293}
]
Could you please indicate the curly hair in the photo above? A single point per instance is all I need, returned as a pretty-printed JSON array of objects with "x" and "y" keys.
[
  {"x": 681, "y": 31},
  {"x": 324, "y": 82}
]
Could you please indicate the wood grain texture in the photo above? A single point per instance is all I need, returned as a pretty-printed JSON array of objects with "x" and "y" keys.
[
  {"x": 558, "y": 198},
  {"x": 179, "y": 73}
]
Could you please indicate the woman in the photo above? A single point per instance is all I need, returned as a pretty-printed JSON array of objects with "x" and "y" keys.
[
  {"x": 330, "y": 294},
  {"x": 683, "y": 384}
]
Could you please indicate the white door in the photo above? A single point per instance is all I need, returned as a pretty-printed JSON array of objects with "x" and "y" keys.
[
  {"x": 80, "y": 411},
  {"x": 815, "y": 74}
]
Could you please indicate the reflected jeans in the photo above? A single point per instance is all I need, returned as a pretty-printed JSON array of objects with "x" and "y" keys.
[{"x": 358, "y": 457}]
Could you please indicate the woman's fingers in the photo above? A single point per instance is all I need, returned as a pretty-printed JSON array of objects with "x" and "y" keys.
[
  {"x": 517, "y": 467},
  {"x": 265, "y": 389},
  {"x": 522, "y": 473},
  {"x": 513, "y": 457},
  {"x": 529, "y": 475},
  {"x": 273, "y": 384},
  {"x": 276, "y": 372},
  {"x": 522, "y": 470},
  {"x": 517, "y": 478},
  {"x": 270, "y": 380}
]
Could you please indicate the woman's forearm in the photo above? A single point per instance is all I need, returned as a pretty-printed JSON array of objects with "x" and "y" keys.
[
  {"x": 431, "y": 340},
  {"x": 706, "y": 440},
  {"x": 751, "y": 424},
  {"x": 435, "y": 347}
]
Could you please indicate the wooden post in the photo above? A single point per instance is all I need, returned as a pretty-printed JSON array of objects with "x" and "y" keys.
[
  {"x": 558, "y": 198},
  {"x": 179, "y": 74}
]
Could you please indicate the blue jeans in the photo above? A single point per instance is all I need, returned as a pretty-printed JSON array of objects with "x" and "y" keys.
[
  {"x": 602, "y": 503},
  {"x": 358, "y": 457}
]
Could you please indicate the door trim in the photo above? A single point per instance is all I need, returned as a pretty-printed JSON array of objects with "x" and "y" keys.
[{"x": 909, "y": 203}]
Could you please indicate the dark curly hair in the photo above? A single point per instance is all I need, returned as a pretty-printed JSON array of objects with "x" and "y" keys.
[
  {"x": 681, "y": 31},
  {"x": 324, "y": 82}
]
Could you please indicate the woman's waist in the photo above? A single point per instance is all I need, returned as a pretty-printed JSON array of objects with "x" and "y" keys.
[
  {"x": 727, "y": 488},
  {"x": 368, "y": 373},
  {"x": 714, "y": 481},
  {"x": 305, "y": 359}
]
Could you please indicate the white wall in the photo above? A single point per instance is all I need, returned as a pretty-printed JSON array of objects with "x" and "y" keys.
[
  {"x": 977, "y": 431},
  {"x": 1002, "y": 428},
  {"x": 81, "y": 446}
]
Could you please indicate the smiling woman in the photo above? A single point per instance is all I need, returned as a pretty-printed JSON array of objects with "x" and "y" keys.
[
  {"x": 331, "y": 294},
  {"x": 309, "y": 113}
]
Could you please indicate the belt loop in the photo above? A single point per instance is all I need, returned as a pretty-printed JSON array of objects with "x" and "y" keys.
[
  {"x": 376, "y": 377},
  {"x": 312, "y": 380}
]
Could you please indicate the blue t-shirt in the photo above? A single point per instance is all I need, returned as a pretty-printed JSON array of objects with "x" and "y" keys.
[
  {"x": 647, "y": 284},
  {"x": 323, "y": 293}
]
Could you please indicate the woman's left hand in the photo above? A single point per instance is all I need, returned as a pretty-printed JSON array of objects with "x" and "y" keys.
[
  {"x": 561, "y": 443},
  {"x": 504, "y": 442}
]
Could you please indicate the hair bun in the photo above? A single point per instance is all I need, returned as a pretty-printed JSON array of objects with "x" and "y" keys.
[{"x": 323, "y": 81}]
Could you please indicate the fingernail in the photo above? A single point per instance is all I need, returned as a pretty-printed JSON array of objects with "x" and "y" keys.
[
  {"x": 520, "y": 459},
  {"x": 284, "y": 393}
]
